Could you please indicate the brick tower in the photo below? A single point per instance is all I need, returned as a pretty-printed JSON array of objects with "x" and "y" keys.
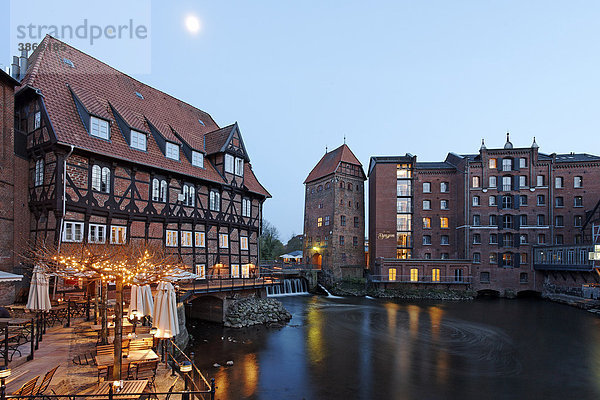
[{"x": 334, "y": 215}]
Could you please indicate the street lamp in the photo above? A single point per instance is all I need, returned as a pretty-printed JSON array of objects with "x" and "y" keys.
[
  {"x": 133, "y": 318},
  {"x": 4, "y": 373}
]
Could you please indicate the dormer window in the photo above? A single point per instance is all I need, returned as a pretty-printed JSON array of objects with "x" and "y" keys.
[
  {"x": 172, "y": 151},
  {"x": 138, "y": 140},
  {"x": 229, "y": 161},
  {"x": 197, "y": 159},
  {"x": 99, "y": 128},
  {"x": 239, "y": 166}
]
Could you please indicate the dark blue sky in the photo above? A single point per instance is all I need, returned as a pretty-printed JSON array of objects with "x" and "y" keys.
[{"x": 393, "y": 76}]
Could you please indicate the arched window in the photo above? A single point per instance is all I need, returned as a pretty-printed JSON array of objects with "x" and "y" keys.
[
  {"x": 349, "y": 186},
  {"x": 101, "y": 179},
  {"x": 155, "y": 189},
  {"x": 189, "y": 195},
  {"x": 319, "y": 188},
  {"x": 327, "y": 185},
  {"x": 215, "y": 201},
  {"x": 163, "y": 191},
  {"x": 342, "y": 184}
]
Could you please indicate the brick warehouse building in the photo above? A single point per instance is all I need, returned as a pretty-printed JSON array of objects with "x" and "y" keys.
[
  {"x": 108, "y": 159},
  {"x": 472, "y": 220},
  {"x": 334, "y": 215}
]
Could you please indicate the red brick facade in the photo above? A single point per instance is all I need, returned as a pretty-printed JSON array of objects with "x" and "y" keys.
[
  {"x": 334, "y": 222},
  {"x": 496, "y": 206}
]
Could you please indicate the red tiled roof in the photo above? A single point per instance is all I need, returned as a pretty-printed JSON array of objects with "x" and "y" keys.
[
  {"x": 330, "y": 162},
  {"x": 251, "y": 183},
  {"x": 99, "y": 86},
  {"x": 216, "y": 139}
]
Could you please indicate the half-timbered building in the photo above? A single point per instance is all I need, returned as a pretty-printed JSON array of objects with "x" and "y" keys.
[{"x": 112, "y": 159}]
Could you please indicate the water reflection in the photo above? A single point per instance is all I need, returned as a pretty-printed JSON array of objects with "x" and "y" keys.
[{"x": 361, "y": 349}]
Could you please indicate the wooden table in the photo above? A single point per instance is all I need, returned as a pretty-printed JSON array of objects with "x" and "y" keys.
[
  {"x": 133, "y": 390},
  {"x": 15, "y": 321},
  {"x": 134, "y": 356},
  {"x": 111, "y": 325}
]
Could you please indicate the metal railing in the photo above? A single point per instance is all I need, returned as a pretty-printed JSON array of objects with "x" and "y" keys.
[
  {"x": 565, "y": 258},
  {"x": 194, "y": 379},
  {"x": 220, "y": 284},
  {"x": 111, "y": 395},
  {"x": 423, "y": 279}
]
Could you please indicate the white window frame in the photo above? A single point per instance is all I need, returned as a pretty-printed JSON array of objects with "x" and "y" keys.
[
  {"x": 476, "y": 201},
  {"x": 493, "y": 182},
  {"x": 522, "y": 180},
  {"x": 522, "y": 163},
  {"x": 171, "y": 237},
  {"x": 444, "y": 187},
  {"x": 444, "y": 204},
  {"x": 239, "y": 166},
  {"x": 507, "y": 164},
  {"x": 96, "y": 233},
  {"x": 426, "y": 204},
  {"x": 172, "y": 151},
  {"x": 492, "y": 201},
  {"x": 99, "y": 128},
  {"x": 229, "y": 163},
  {"x": 189, "y": 195},
  {"x": 476, "y": 182},
  {"x": 39, "y": 172},
  {"x": 214, "y": 200},
  {"x": 235, "y": 270},
  {"x": 197, "y": 159},
  {"x": 200, "y": 239},
  {"x": 559, "y": 182},
  {"x": 200, "y": 271},
  {"x": 100, "y": 179},
  {"x": 139, "y": 140},
  {"x": 540, "y": 180},
  {"x": 186, "y": 238},
  {"x": 118, "y": 232},
  {"x": 246, "y": 270},
  {"x": 247, "y": 207},
  {"x": 70, "y": 231},
  {"x": 243, "y": 242},
  {"x": 223, "y": 240},
  {"x": 426, "y": 187},
  {"x": 577, "y": 184}
]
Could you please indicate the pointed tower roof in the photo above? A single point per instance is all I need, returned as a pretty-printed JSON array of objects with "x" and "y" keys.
[
  {"x": 534, "y": 145},
  {"x": 330, "y": 162}
]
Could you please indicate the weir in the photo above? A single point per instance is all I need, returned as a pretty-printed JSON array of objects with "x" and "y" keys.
[{"x": 291, "y": 286}]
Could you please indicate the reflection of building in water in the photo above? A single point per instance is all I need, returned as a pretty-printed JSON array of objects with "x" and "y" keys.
[
  {"x": 413, "y": 320},
  {"x": 435, "y": 317},
  {"x": 392, "y": 313},
  {"x": 314, "y": 337},
  {"x": 251, "y": 369}
]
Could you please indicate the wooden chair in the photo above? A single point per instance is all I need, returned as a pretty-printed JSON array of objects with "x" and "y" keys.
[
  {"x": 105, "y": 349},
  {"x": 125, "y": 374},
  {"x": 27, "y": 388},
  {"x": 145, "y": 370},
  {"x": 103, "y": 374},
  {"x": 61, "y": 391},
  {"x": 45, "y": 382},
  {"x": 139, "y": 345}
]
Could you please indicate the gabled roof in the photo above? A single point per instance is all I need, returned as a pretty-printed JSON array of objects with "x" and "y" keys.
[
  {"x": 65, "y": 75},
  {"x": 330, "y": 162},
  {"x": 216, "y": 140}
]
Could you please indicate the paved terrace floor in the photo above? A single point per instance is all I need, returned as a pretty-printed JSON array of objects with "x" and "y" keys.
[{"x": 59, "y": 346}]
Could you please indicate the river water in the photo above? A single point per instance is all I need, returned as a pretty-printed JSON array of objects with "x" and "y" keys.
[{"x": 358, "y": 348}]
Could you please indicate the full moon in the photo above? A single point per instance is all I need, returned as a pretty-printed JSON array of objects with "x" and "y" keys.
[{"x": 192, "y": 23}]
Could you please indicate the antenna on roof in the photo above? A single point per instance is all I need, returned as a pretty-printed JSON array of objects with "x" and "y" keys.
[
  {"x": 344, "y": 138},
  {"x": 325, "y": 149}
]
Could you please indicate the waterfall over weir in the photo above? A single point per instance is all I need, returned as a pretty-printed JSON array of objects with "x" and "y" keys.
[{"x": 288, "y": 287}]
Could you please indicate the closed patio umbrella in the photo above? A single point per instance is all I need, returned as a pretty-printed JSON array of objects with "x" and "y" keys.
[
  {"x": 165, "y": 311},
  {"x": 141, "y": 300},
  {"x": 39, "y": 291}
]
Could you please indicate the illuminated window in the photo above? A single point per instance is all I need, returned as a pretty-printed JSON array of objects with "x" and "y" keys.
[
  {"x": 223, "y": 240},
  {"x": 492, "y": 163},
  {"x": 435, "y": 275},
  {"x": 171, "y": 240},
  {"x": 392, "y": 274},
  {"x": 426, "y": 223},
  {"x": 414, "y": 275},
  {"x": 319, "y": 221},
  {"x": 246, "y": 270},
  {"x": 403, "y": 254},
  {"x": 235, "y": 271},
  {"x": 443, "y": 222},
  {"x": 200, "y": 239},
  {"x": 186, "y": 239},
  {"x": 200, "y": 271},
  {"x": 244, "y": 243},
  {"x": 118, "y": 234}
]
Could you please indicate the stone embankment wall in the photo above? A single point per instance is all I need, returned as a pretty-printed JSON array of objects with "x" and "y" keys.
[{"x": 255, "y": 311}]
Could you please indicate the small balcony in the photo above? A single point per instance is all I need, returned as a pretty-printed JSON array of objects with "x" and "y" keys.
[{"x": 563, "y": 258}]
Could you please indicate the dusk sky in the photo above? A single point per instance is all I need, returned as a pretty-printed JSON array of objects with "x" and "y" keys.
[{"x": 392, "y": 76}]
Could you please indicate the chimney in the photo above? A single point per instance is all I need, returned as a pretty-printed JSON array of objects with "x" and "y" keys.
[
  {"x": 22, "y": 64},
  {"x": 15, "y": 68}
]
